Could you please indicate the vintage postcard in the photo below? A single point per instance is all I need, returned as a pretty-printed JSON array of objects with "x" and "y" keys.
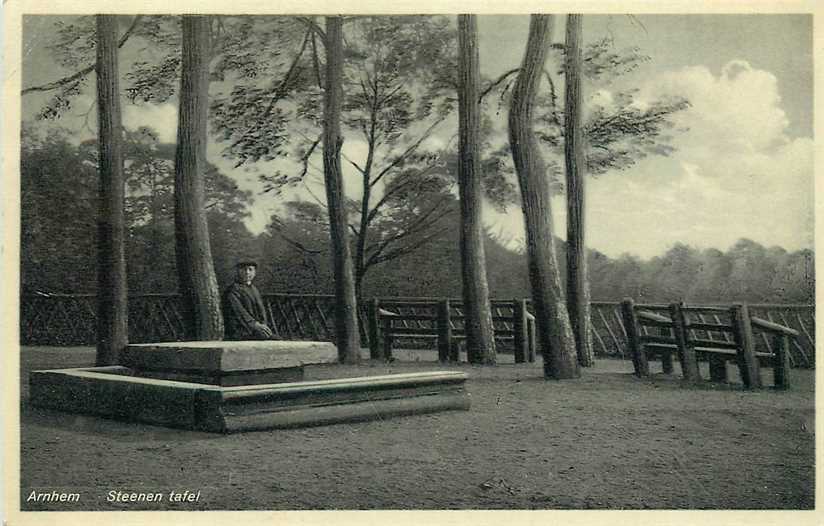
[{"x": 447, "y": 262}]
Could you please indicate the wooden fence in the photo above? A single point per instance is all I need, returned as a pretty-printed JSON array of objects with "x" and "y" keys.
[{"x": 69, "y": 319}]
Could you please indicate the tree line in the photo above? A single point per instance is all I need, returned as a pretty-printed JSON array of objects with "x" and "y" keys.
[{"x": 59, "y": 241}]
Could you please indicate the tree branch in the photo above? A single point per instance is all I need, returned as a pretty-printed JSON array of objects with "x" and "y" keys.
[
  {"x": 409, "y": 151},
  {"x": 357, "y": 166},
  {"x": 406, "y": 249},
  {"x": 85, "y": 71},
  {"x": 277, "y": 226},
  {"x": 389, "y": 95},
  {"x": 497, "y": 82},
  {"x": 553, "y": 97},
  {"x": 397, "y": 188},
  {"x": 419, "y": 224},
  {"x": 305, "y": 158},
  {"x": 316, "y": 61},
  {"x": 279, "y": 92},
  {"x": 308, "y": 22}
]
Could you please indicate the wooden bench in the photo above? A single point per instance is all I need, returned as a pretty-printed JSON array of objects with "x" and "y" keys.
[
  {"x": 438, "y": 322},
  {"x": 678, "y": 337}
]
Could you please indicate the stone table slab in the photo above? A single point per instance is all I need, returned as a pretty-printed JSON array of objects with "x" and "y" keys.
[{"x": 216, "y": 357}]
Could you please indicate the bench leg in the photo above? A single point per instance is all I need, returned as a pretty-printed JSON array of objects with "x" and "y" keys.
[
  {"x": 666, "y": 362},
  {"x": 387, "y": 346},
  {"x": 454, "y": 350},
  {"x": 781, "y": 365},
  {"x": 718, "y": 368},
  {"x": 532, "y": 346}
]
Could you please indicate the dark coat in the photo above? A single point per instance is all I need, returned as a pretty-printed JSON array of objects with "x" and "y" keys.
[{"x": 242, "y": 307}]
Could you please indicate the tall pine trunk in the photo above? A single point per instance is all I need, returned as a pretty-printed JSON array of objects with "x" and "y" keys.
[
  {"x": 195, "y": 267},
  {"x": 112, "y": 303},
  {"x": 551, "y": 318},
  {"x": 480, "y": 336},
  {"x": 577, "y": 293},
  {"x": 346, "y": 321}
]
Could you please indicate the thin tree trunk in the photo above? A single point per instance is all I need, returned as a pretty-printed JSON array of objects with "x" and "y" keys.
[
  {"x": 480, "y": 336},
  {"x": 346, "y": 321},
  {"x": 552, "y": 320},
  {"x": 363, "y": 233},
  {"x": 195, "y": 267},
  {"x": 112, "y": 302},
  {"x": 577, "y": 293}
]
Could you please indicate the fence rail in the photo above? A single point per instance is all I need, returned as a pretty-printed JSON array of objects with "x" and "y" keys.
[{"x": 69, "y": 319}]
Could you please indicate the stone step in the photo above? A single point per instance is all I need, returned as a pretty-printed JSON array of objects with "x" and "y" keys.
[
  {"x": 228, "y": 379},
  {"x": 115, "y": 392}
]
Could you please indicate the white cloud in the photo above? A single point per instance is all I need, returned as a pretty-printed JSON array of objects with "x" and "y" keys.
[
  {"x": 736, "y": 173},
  {"x": 162, "y": 118},
  {"x": 740, "y": 108}
]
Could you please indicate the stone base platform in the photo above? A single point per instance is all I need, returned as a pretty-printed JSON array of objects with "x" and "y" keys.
[{"x": 119, "y": 392}]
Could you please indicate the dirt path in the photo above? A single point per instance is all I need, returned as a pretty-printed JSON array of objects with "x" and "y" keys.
[{"x": 606, "y": 441}]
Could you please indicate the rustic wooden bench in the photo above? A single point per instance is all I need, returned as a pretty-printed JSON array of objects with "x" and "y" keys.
[
  {"x": 678, "y": 336},
  {"x": 441, "y": 321}
]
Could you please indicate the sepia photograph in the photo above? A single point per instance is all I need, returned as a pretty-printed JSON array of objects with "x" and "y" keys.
[{"x": 528, "y": 261}]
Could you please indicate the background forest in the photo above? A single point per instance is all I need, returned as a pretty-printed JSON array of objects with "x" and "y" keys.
[{"x": 59, "y": 242}]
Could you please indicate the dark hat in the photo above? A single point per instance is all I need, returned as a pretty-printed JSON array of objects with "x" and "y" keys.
[{"x": 246, "y": 263}]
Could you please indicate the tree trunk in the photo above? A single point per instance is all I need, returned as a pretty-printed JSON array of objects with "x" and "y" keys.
[
  {"x": 480, "y": 336},
  {"x": 112, "y": 303},
  {"x": 195, "y": 268},
  {"x": 363, "y": 232},
  {"x": 346, "y": 321},
  {"x": 577, "y": 280},
  {"x": 551, "y": 317}
]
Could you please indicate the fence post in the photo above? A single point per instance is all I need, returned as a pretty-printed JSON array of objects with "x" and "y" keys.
[
  {"x": 519, "y": 330},
  {"x": 747, "y": 360},
  {"x": 373, "y": 319},
  {"x": 686, "y": 353},
  {"x": 639, "y": 357},
  {"x": 781, "y": 366},
  {"x": 444, "y": 331},
  {"x": 387, "y": 338},
  {"x": 666, "y": 357}
]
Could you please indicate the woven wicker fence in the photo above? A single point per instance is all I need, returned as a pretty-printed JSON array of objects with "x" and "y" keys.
[{"x": 69, "y": 319}]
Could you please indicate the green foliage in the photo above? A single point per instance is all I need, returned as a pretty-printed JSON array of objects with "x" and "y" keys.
[
  {"x": 59, "y": 243},
  {"x": 74, "y": 42},
  {"x": 154, "y": 83},
  {"x": 617, "y": 134}
]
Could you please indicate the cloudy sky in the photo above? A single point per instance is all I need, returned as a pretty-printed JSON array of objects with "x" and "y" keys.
[{"x": 744, "y": 168}]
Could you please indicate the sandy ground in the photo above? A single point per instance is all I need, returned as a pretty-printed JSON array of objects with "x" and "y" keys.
[{"x": 605, "y": 441}]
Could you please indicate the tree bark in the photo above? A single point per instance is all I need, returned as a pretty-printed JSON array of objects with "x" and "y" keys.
[
  {"x": 195, "y": 268},
  {"x": 480, "y": 336},
  {"x": 112, "y": 302},
  {"x": 551, "y": 317},
  {"x": 577, "y": 293},
  {"x": 346, "y": 321}
]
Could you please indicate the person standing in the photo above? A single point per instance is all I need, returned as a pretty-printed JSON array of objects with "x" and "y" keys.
[{"x": 243, "y": 310}]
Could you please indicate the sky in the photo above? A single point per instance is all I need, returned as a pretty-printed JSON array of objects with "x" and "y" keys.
[{"x": 743, "y": 168}]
